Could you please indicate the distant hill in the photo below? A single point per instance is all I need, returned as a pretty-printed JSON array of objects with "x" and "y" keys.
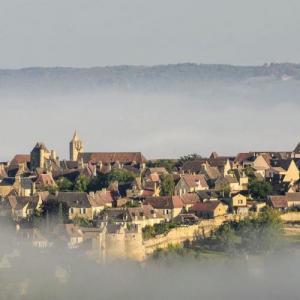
[{"x": 183, "y": 77}]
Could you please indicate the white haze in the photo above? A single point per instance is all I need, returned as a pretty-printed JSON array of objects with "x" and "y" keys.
[
  {"x": 29, "y": 273},
  {"x": 161, "y": 125}
]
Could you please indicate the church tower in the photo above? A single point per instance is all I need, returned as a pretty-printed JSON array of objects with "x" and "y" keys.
[{"x": 76, "y": 147}]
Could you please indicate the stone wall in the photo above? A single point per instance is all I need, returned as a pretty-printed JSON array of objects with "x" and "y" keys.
[
  {"x": 186, "y": 233},
  {"x": 291, "y": 217}
]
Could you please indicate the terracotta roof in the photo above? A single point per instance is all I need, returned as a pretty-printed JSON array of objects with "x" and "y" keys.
[
  {"x": 147, "y": 193},
  {"x": 281, "y": 201},
  {"x": 100, "y": 198},
  {"x": 144, "y": 211},
  {"x": 46, "y": 180},
  {"x": 278, "y": 201},
  {"x": 154, "y": 177},
  {"x": 205, "y": 206},
  {"x": 293, "y": 197},
  {"x": 212, "y": 172},
  {"x": 20, "y": 158},
  {"x": 17, "y": 202},
  {"x": 194, "y": 166},
  {"x": 189, "y": 198},
  {"x": 194, "y": 180},
  {"x": 165, "y": 202},
  {"x": 159, "y": 170},
  {"x": 241, "y": 157},
  {"x": 110, "y": 157},
  {"x": 72, "y": 199}
]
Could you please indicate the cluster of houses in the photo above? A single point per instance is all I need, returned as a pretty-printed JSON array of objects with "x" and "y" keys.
[{"x": 201, "y": 188}]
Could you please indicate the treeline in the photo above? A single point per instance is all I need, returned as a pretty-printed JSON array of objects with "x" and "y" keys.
[{"x": 88, "y": 184}]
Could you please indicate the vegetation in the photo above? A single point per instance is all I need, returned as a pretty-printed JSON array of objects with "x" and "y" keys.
[
  {"x": 83, "y": 222},
  {"x": 64, "y": 184},
  {"x": 104, "y": 180},
  {"x": 259, "y": 189},
  {"x": 260, "y": 234},
  {"x": 225, "y": 189},
  {"x": 188, "y": 157},
  {"x": 157, "y": 229},
  {"x": 81, "y": 184},
  {"x": 167, "y": 185},
  {"x": 168, "y": 164},
  {"x": 121, "y": 176}
]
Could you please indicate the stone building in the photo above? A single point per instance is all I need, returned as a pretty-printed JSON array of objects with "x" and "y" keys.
[
  {"x": 119, "y": 241},
  {"x": 76, "y": 147},
  {"x": 41, "y": 157}
]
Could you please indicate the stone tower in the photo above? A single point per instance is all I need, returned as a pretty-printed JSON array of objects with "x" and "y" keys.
[
  {"x": 76, "y": 147},
  {"x": 38, "y": 156}
]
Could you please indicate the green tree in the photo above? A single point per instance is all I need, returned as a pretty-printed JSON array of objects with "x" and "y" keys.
[
  {"x": 183, "y": 159},
  {"x": 81, "y": 184},
  {"x": 120, "y": 175},
  {"x": 224, "y": 188},
  {"x": 227, "y": 238},
  {"x": 259, "y": 189},
  {"x": 64, "y": 184},
  {"x": 168, "y": 164},
  {"x": 167, "y": 185}
]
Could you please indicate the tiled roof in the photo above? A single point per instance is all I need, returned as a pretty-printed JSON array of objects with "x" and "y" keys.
[
  {"x": 100, "y": 198},
  {"x": 144, "y": 211},
  {"x": 110, "y": 157},
  {"x": 192, "y": 180},
  {"x": 20, "y": 158},
  {"x": 72, "y": 199},
  {"x": 189, "y": 198},
  {"x": 278, "y": 201},
  {"x": 208, "y": 206},
  {"x": 165, "y": 202}
]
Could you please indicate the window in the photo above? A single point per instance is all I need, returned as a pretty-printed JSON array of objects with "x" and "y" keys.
[
  {"x": 71, "y": 210},
  {"x": 83, "y": 211}
]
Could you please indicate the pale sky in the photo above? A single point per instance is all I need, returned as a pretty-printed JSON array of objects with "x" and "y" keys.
[{"x": 83, "y": 33}]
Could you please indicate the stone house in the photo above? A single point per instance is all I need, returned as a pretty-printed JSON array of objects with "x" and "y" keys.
[
  {"x": 237, "y": 203},
  {"x": 22, "y": 185},
  {"x": 169, "y": 207},
  {"x": 228, "y": 181},
  {"x": 84, "y": 205},
  {"x": 209, "y": 209},
  {"x": 23, "y": 207},
  {"x": 285, "y": 171},
  {"x": 190, "y": 183},
  {"x": 45, "y": 180},
  {"x": 145, "y": 215}
]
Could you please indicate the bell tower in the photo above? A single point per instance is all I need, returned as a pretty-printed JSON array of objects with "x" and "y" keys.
[{"x": 76, "y": 147}]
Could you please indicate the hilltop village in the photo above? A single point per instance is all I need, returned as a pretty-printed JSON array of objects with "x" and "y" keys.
[{"x": 114, "y": 203}]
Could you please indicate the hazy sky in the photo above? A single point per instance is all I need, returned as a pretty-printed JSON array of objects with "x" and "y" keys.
[{"x": 111, "y": 32}]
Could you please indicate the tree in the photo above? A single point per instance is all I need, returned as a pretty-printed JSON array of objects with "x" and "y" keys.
[
  {"x": 183, "y": 159},
  {"x": 227, "y": 238},
  {"x": 64, "y": 184},
  {"x": 81, "y": 184},
  {"x": 120, "y": 175},
  {"x": 260, "y": 234},
  {"x": 167, "y": 185},
  {"x": 224, "y": 188},
  {"x": 259, "y": 189},
  {"x": 168, "y": 164}
]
